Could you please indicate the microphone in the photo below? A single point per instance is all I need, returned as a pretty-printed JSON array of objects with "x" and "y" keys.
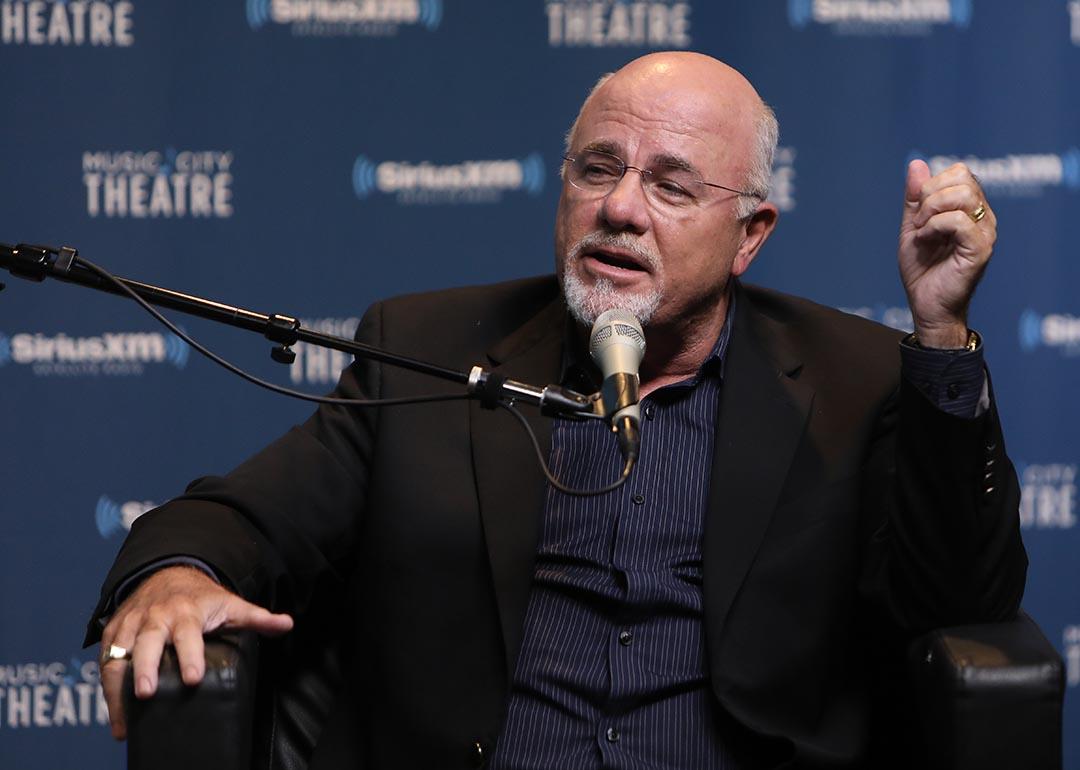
[{"x": 617, "y": 345}]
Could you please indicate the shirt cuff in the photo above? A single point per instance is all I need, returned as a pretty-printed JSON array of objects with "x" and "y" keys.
[{"x": 953, "y": 380}]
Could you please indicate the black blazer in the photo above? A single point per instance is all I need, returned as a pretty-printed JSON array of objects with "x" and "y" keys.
[{"x": 844, "y": 507}]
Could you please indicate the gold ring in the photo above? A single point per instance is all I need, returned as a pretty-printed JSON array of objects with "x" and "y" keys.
[
  {"x": 978, "y": 213},
  {"x": 115, "y": 652}
]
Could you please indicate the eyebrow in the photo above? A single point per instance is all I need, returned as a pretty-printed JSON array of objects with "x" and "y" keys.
[{"x": 663, "y": 159}]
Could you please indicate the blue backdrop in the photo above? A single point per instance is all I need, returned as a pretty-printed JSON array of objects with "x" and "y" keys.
[{"x": 310, "y": 157}]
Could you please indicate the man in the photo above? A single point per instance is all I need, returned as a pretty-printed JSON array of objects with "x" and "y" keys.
[{"x": 797, "y": 502}]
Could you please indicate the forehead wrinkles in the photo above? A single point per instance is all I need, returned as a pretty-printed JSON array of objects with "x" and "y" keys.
[{"x": 640, "y": 138}]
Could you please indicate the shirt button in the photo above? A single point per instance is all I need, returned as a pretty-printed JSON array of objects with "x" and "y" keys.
[
  {"x": 638, "y": 499},
  {"x": 626, "y": 638},
  {"x": 612, "y": 735},
  {"x": 650, "y": 411},
  {"x": 952, "y": 391}
]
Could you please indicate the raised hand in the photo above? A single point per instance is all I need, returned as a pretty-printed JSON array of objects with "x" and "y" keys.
[{"x": 947, "y": 234}]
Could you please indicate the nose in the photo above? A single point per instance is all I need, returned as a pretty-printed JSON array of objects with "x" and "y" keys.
[{"x": 625, "y": 207}]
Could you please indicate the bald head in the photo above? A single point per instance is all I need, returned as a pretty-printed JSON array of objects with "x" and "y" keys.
[{"x": 692, "y": 88}]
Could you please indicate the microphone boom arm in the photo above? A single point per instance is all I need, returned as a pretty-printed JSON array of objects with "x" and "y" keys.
[{"x": 36, "y": 263}]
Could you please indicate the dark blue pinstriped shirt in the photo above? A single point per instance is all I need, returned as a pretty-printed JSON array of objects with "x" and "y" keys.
[{"x": 612, "y": 670}]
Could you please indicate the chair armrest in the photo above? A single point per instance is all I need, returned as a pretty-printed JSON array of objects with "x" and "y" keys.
[
  {"x": 207, "y": 727},
  {"x": 988, "y": 696}
]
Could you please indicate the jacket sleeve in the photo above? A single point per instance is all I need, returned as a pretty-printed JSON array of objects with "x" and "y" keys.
[
  {"x": 948, "y": 550},
  {"x": 284, "y": 520}
]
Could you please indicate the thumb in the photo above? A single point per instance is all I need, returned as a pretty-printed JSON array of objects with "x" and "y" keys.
[
  {"x": 243, "y": 614},
  {"x": 918, "y": 173}
]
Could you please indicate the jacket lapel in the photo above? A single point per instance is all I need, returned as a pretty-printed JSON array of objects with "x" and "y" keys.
[
  {"x": 763, "y": 414},
  {"x": 509, "y": 482}
]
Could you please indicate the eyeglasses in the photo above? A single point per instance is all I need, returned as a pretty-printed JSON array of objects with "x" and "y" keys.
[{"x": 666, "y": 184}]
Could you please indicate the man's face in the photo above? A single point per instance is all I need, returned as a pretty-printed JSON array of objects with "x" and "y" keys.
[{"x": 668, "y": 265}]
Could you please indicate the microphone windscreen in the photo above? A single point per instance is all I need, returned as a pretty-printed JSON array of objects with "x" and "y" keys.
[{"x": 617, "y": 343}]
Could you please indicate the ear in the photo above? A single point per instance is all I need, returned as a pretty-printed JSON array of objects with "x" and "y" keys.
[{"x": 756, "y": 230}]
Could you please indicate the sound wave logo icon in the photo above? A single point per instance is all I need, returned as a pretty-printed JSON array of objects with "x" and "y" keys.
[
  {"x": 112, "y": 518},
  {"x": 1070, "y": 168},
  {"x": 962, "y": 11},
  {"x": 5, "y": 349},
  {"x": 258, "y": 13},
  {"x": 363, "y": 177},
  {"x": 431, "y": 13},
  {"x": 800, "y": 12},
  {"x": 176, "y": 351},
  {"x": 1030, "y": 330},
  {"x": 108, "y": 518},
  {"x": 532, "y": 174}
]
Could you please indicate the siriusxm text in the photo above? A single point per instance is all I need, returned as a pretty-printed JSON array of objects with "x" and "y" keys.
[
  {"x": 345, "y": 11},
  {"x": 119, "y": 347},
  {"x": 846, "y": 11},
  {"x": 1034, "y": 170}
]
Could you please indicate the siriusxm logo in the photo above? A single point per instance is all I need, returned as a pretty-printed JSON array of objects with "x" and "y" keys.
[
  {"x": 895, "y": 316},
  {"x": 1048, "y": 496},
  {"x": 315, "y": 365},
  {"x": 337, "y": 18},
  {"x": 471, "y": 181},
  {"x": 52, "y": 694},
  {"x": 170, "y": 184},
  {"x": 1017, "y": 175},
  {"x": 1056, "y": 330},
  {"x": 1074, "y": 16},
  {"x": 880, "y": 16},
  {"x": 111, "y": 353},
  {"x": 63, "y": 23},
  {"x": 606, "y": 24},
  {"x": 782, "y": 186},
  {"x": 112, "y": 518}
]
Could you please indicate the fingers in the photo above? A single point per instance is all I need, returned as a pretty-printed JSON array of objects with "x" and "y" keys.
[
  {"x": 963, "y": 198},
  {"x": 174, "y": 606},
  {"x": 112, "y": 683},
  {"x": 121, "y": 631},
  {"x": 242, "y": 614},
  {"x": 918, "y": 175},
  {"x": 971, "y": 239},
  {"x": 953, "y": 190},
  {"x": 190, "y": 650}
]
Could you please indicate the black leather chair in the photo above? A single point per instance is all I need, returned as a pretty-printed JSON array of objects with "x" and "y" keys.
[{"x": 983, "y": 697}]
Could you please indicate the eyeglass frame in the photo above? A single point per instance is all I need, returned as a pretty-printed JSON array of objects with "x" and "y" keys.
[{"x": 571, "y": 159}]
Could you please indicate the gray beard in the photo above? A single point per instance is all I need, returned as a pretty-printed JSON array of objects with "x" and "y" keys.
[{"x": 586, "y": 302}]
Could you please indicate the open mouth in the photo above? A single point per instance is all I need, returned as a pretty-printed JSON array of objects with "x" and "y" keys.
[{"x": 616, "y": 260}]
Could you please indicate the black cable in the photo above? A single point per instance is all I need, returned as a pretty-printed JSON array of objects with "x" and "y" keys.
[
  {"x": 102, "y": 272},
  {"x": 251, "y": 377},
  {"x": 547, "y": 471}
]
